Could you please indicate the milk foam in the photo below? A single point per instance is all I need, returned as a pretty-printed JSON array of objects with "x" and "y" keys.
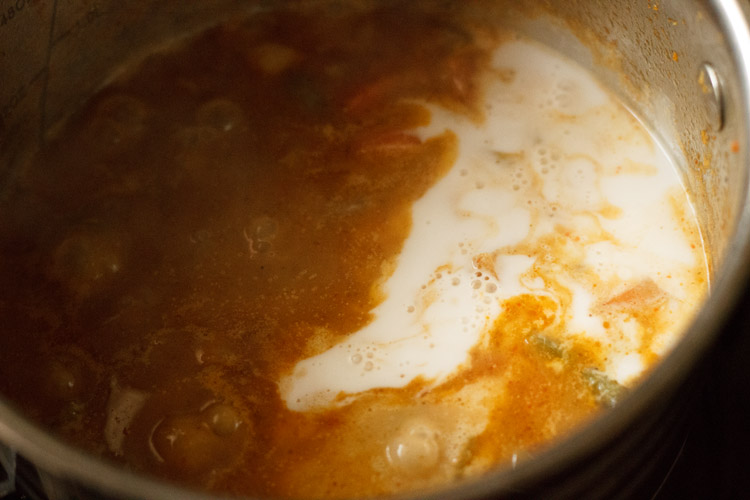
[{"x": 556, "y": 157}]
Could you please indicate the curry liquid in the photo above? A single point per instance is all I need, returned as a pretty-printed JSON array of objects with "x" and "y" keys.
[{"x": 170, "y": 254}]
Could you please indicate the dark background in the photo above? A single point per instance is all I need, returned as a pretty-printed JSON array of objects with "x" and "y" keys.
[{"x": 715, "y": 460}]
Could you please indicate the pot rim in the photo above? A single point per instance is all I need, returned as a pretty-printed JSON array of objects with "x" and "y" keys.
[{"x": 65, "y": 462}]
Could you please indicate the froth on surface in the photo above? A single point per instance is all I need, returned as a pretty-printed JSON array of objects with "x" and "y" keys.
[{"x": 559, "y": 192}]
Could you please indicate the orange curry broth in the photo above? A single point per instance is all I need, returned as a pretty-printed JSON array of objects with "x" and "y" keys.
[{"x": 187, "y": 231}]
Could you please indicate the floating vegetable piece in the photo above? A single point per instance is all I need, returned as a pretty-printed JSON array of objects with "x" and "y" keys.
[
  {"x": 547, "y": 345},
  {"x": 608, "y": 392}
]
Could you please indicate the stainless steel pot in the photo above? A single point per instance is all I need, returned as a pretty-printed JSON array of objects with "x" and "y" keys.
[{"x": 682, "y": 65}]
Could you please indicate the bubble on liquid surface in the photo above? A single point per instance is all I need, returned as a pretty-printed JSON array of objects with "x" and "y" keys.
[
  {"x": 196, "y": 150},
  {"x": 260, "y": 233},
  {"x": 118, "y": 120},
  {"x": 415, "y": 448},
  {"x": 86, "y": 258},
  {"x": 221, "y": 114},
  {"x": 222, "y": 419},
  {"x": 264, "y": 227},
  {"x": 66, "y": 378},
  {"x": 195, "y": 140},
  {"x": 183, "y": 442},
  {"x": 198, "y": 442}
]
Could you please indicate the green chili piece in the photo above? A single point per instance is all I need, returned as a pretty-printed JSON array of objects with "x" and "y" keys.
[
  {"x": 547, "y": 345},
  {"x": 608, "y": 392}
]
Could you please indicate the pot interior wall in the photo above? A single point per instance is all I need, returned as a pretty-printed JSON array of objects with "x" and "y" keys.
[
  {"x": 56, "y": 54},
  {"x": 651, "y": 54},
  {"x": 657, "y": 56}
]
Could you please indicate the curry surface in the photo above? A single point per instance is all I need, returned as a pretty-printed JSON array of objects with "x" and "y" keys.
[{"x": 177, "y": 244}]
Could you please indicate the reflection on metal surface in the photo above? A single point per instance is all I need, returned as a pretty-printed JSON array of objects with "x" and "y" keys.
[
  {"x": 713, "y": 97},
  {"x": 7, "y": 470}
]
